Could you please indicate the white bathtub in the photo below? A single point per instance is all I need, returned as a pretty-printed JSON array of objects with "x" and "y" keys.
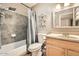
[
  {"x": 18, "y": 48},
  {"x": 13, "y": 49}
]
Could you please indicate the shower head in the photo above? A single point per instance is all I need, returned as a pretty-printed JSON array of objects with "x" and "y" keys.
[{"x": 1, "y": 14}]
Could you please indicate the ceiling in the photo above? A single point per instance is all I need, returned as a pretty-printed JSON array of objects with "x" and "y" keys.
[{"x": 30, "y": 4}]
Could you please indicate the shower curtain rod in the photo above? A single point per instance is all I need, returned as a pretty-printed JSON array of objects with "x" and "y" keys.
[{"x": 25, "y": 5}]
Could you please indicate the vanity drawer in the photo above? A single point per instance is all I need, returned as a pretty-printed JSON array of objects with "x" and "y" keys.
[
  {"x": 73, "y": 53},
  {"x": 63, "y": 43}
]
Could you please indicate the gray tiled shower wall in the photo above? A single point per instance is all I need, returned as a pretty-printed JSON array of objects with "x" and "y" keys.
[{"x": 12, "y": 23}]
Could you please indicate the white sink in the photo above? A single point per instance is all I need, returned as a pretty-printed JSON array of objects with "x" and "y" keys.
[
  {"x": 75, "y": 37},
  {"x": 54, "y": 35}
]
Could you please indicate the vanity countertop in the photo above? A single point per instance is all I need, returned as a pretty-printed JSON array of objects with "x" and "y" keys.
[{"x": 74, "y": 38}]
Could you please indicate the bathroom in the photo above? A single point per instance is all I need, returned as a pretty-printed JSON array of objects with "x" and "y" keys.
[{"x": 30, "y": 29}]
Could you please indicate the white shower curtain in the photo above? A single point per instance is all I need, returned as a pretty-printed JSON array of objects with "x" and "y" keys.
[{"x": 32, "y": 33}]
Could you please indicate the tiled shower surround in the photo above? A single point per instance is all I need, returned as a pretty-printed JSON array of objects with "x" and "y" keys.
[{"x": 12, "y": 23}]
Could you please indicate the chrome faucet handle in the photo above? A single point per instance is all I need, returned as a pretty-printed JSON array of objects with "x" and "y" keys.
[{"x": 66, "y": 34}]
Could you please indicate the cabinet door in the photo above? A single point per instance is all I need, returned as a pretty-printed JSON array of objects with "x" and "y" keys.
[
  {"x": 54, "y": 51},
  {"x": 73, "y": 53}
]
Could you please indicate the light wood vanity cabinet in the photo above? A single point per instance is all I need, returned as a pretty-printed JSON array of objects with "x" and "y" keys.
[
  {"x": 54, "y": 51},
  {"x": 59, "y": 47}
]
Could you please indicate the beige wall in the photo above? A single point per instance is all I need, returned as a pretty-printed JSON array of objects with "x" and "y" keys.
[
  {"x": 19, "y": 8},
  {"x": 44, "y": 9},
  {"x": 47, "y": 8}
]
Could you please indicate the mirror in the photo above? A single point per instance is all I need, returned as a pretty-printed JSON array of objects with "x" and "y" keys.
[
  {"x": 64, "y": 18},
  {"x": 67, "y": 20},
  {"x": 77, "y": 16}
]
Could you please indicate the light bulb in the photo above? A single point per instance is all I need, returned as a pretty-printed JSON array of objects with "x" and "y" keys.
[
  {"x": 66, "y": 4},
  {"x": 58, "y": 6}
]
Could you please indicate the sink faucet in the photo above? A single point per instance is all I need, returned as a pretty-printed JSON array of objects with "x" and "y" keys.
[{"x": 66, "y": 34}]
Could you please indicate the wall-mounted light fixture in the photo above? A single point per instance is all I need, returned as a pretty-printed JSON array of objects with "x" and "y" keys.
[
  {"x": 66, "y": 4},
  {"x": 58, "y": 6}
]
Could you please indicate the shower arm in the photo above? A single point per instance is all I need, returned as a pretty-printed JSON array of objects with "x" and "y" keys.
[{"x": 1, "y": 14}]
